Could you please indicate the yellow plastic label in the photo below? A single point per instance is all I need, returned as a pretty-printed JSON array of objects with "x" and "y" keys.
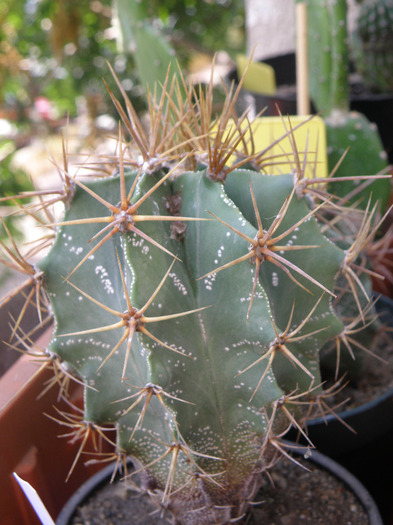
[
  {"x": 260, "y": 78},
  {"x": 286, "y": 141}
]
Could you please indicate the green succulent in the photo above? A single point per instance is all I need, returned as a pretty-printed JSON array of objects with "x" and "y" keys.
[
  {"x": 354, "y": 145},
  {"x": 192, "y": 294},
  {"x": 372, "y": 43}
]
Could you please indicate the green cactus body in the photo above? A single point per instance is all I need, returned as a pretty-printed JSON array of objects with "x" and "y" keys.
[
  {"x": 205, "y": 387},
  {"x": 328, "y": 54},
  {"x": 365, "y": 155},
  {"x": 372, "y": 44}
]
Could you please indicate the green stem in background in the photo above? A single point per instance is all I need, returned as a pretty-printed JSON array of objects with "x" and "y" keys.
[
  {"x": 329, "y": 90},
  {"x": 339, "y": 96},
  {"x": 137, "y": 35},
  {"x": 328, "y": 54}
]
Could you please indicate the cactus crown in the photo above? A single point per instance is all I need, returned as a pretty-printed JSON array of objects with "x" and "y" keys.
[{"x": 191, "y": 295}]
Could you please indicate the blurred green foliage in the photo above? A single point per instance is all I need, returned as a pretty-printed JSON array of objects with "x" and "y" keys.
[
  {"x": 58, "y": 49},
  {"x": 12, "y": 182},
  {"x": 56, "y": 52},
  {"x": 205, "y": 25}
]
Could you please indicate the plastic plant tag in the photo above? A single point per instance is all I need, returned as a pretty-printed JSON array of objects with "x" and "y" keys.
[
  {"x": 284, "y": 141},
  {"x": 309, "y": 135},
  {"x": 35, "y": 501},
  {"x": 260, "y": 78}
]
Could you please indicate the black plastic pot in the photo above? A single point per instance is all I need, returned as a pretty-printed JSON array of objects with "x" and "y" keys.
[
  {"x": 104, "y": 476},
  {"x": 94, "y": 483},
  {"x": 285, "y": 103},
  {"x": 378, "y": 108},
  {"x": 368, "y": 451},
  {"x": 368, "y": 422}
]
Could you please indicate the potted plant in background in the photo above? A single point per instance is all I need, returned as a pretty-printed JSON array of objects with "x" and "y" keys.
[
  {"x": 370, "y": 44},
  {"x": 329, "y": 89},
  {"x": 191, "y": 296}
]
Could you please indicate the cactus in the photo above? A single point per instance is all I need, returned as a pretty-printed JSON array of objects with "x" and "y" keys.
[
  {"x": 345, "y": 129},
  {"x": 192, "y": 297},
  {"x": 372, "y": 43}
]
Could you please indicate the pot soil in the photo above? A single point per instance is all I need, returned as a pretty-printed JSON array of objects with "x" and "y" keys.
[{"x": 326, "y": 493}]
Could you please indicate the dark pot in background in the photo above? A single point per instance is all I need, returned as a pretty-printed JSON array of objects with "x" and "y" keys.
[
  {"x": 369, "y": 421},
  {"x": 368, "y": 453},
  {"x": 378, "y": 108},
  {"x": 283, "y": 102},
  {"x": 103, "y": 477}
]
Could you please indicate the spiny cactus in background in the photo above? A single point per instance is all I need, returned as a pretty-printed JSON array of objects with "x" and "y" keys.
[
  {"x": 372, "y": 43},
  {"x": 350, "y": 136},
  {"x": 192, "y": 297}
]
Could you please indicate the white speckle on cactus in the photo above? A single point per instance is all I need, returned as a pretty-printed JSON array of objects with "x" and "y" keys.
[
  {"x": 209, "y": 280},
  {"x": 76, "y": 250},
  {"x": 104, "y": 277},
  {"x": 177, "y": 282}
]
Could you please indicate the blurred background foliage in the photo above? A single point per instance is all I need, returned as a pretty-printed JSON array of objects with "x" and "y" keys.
[
  {"x": 53, "y": 58},
  {"x": 57, "y": 50}
]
